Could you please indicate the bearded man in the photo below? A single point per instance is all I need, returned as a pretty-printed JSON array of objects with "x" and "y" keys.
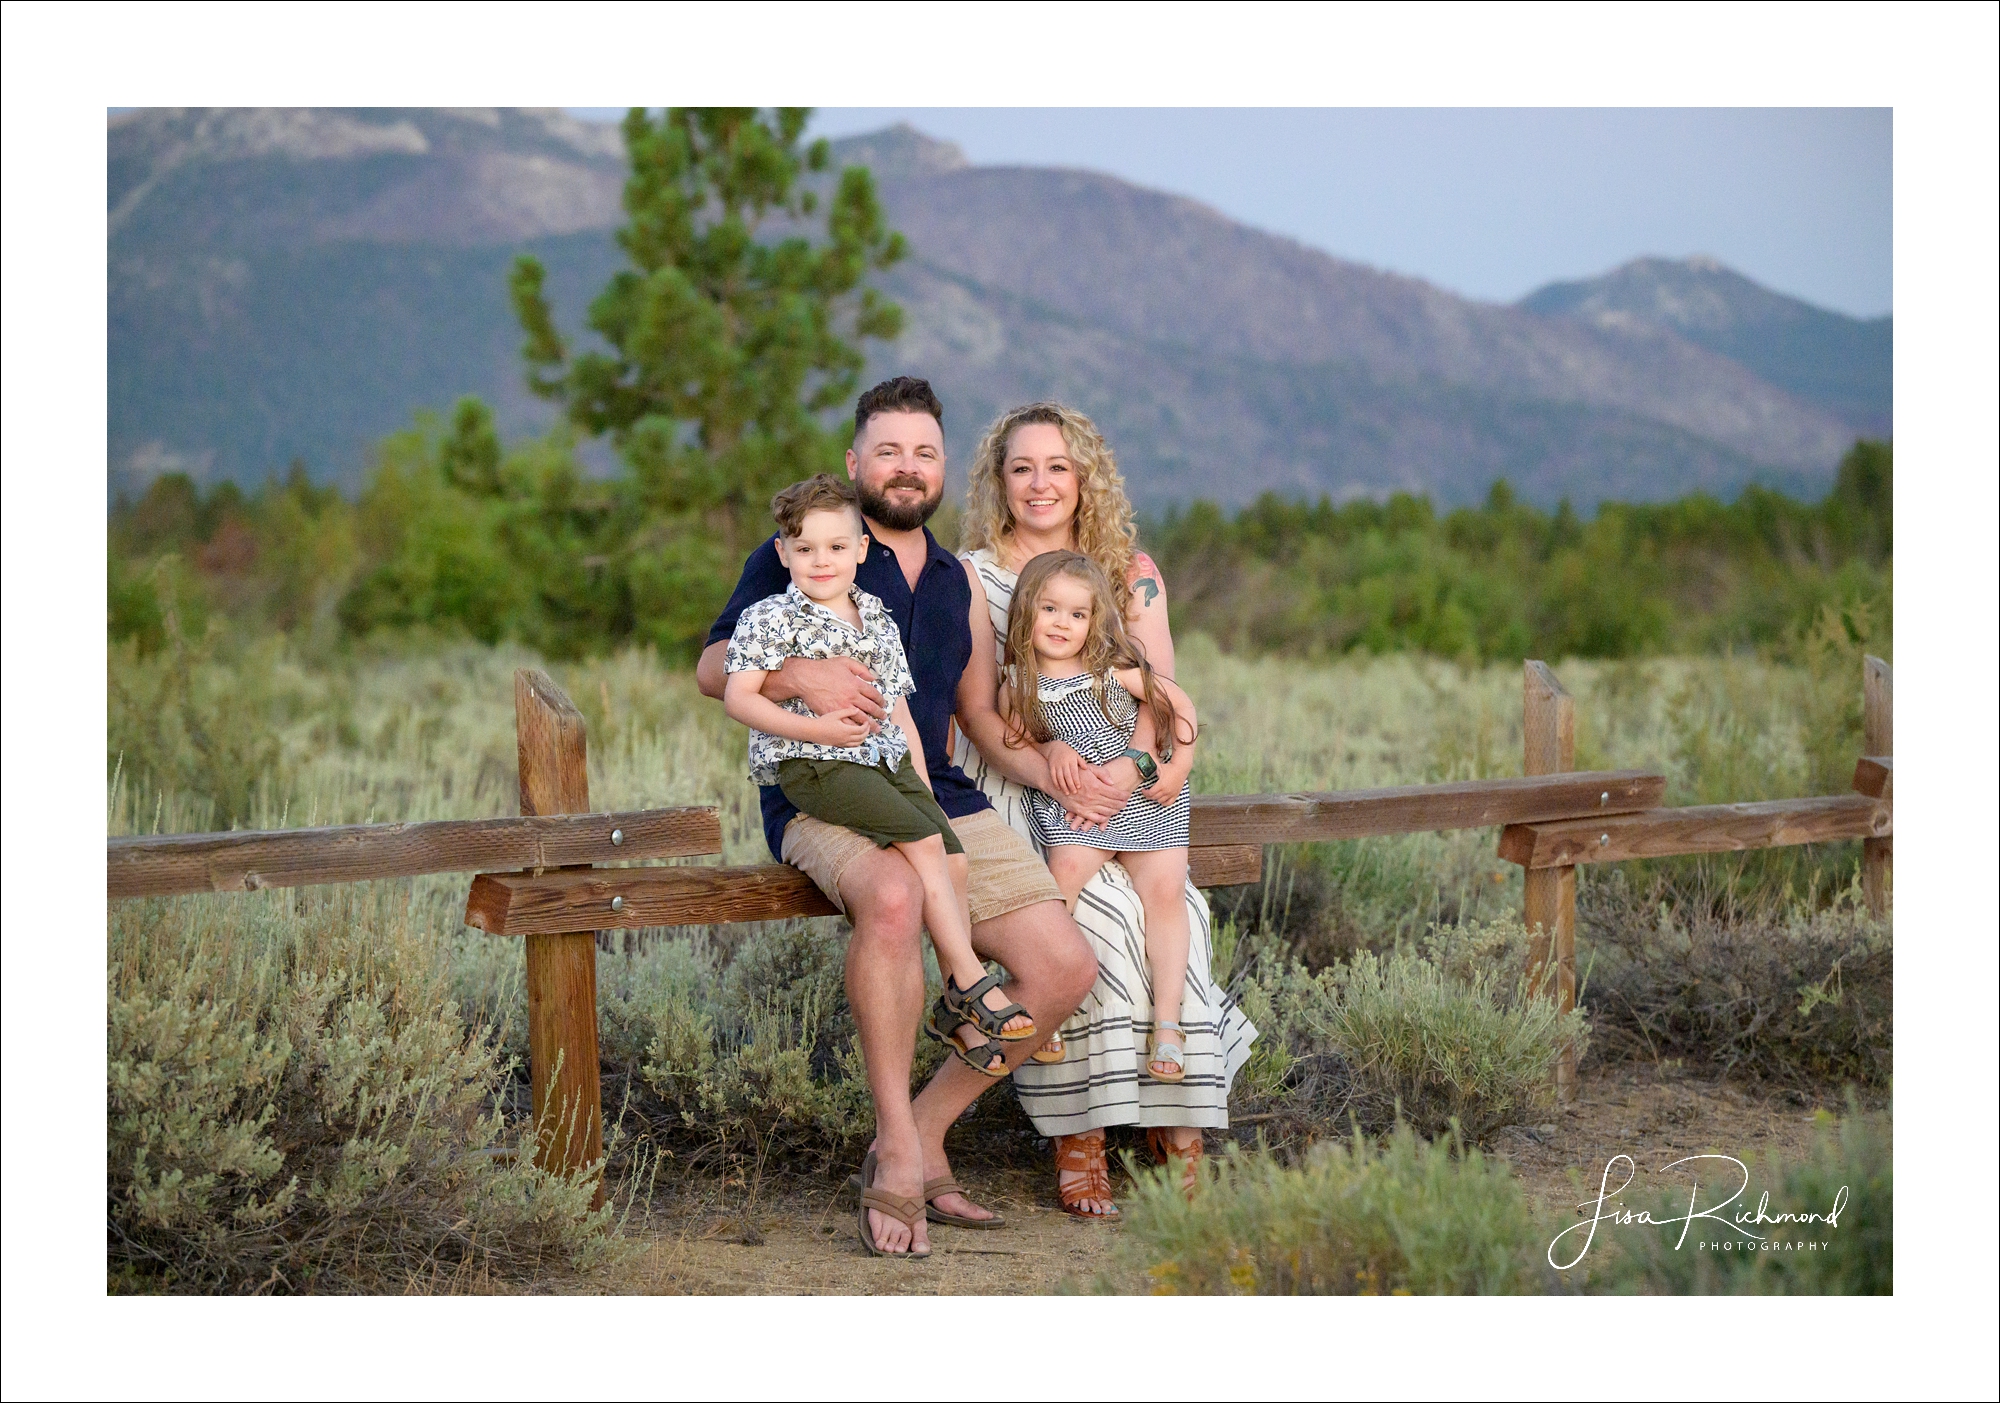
[{"x": 897, "y": 464}]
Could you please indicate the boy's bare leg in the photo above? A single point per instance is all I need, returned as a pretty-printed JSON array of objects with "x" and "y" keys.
[
  {"x": 1160, "y": 878},
  {"x": 960, "y": 868},
  {"x": 885, "y": 990},
  {"x": 1052, "y": 969},
  {"x": 1073, "y": 865},
  {"x": 948, "y": 916}
]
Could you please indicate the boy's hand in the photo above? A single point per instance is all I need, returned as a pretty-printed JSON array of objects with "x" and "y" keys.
[
  {"x": 845, "y": 728},
  {"x": 1066, "y": 767}
]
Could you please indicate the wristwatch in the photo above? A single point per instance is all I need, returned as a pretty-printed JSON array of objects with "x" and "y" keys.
[{"x": 1149, "y": 769}]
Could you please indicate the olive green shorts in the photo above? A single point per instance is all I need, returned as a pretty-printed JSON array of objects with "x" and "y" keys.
[{"x": 886, "y": 807}]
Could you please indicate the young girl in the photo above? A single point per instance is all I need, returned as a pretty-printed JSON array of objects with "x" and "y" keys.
[{"x": 1074, "y": 684}]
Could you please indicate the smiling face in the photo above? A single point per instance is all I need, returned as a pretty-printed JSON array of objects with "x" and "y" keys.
[
  {"x": 1062, "y": 618},
  {"x": 1041, "y": 480},
  {"x": 823, "y": 555},
  {"x": 897, "y": 464}
]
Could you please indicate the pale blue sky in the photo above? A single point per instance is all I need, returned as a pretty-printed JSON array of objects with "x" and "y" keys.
[{"x": 1491, "y": 203}]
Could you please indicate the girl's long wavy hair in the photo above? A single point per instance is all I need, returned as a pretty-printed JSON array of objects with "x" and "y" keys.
[
  {"x": 1107, "y": 647},
  {"x": 1103, "y": 528}
]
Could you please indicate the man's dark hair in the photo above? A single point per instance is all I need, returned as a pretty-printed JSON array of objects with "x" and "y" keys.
[{"x": 905, "y": 394}]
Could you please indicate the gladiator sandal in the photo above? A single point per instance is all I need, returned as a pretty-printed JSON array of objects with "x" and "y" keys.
[
  {"x": 1084, "y": 1154},
  {"x": 1163, "y": 1149},
  {"x": 1054, "y": 1050}
]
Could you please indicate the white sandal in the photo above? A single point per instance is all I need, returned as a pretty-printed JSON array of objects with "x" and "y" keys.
[{"x": 1168, "y": 1050}]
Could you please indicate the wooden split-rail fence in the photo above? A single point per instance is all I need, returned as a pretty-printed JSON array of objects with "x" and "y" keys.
[{"x": 537, "y": 876}]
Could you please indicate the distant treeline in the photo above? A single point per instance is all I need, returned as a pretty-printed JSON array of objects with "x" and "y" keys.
[
  {"x": 454, "y": 536},
  {"x": 1505, "y": 580}
]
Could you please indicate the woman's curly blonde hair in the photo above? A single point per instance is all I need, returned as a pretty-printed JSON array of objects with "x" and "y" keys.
[{"x": 1103, "y": 528}]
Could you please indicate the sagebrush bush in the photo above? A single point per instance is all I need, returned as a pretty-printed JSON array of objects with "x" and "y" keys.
[
  {"x": 1353, "y": 1218},
  {"x": 1792, "y": 992},
  {"x": 1855, "y": 1255},
  {"x": 296, "y": 1104},
  {"x": 731, "y": 1041},
  {"x": 1440, "y": 1033}
]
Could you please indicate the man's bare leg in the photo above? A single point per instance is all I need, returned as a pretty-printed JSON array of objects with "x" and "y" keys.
[
  {"x": 885, "y": 990},
  {"x": 1053, "y": 968}
]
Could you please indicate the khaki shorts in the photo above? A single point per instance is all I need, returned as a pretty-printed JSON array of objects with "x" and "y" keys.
[{"x": 1004, "y": 876}]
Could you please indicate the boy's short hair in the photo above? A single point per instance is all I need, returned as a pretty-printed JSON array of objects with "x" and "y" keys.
[
  {"x": 820, "y": 493},
  {"x": 905, "y": 394}
]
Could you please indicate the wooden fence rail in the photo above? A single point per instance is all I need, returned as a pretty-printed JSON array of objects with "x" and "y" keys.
[
  {"x": 300, "y": 857},
  {"x": 1552, "y": 820}
]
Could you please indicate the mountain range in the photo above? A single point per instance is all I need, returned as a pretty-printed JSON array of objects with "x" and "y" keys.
[{"x": 291, "y": 284}]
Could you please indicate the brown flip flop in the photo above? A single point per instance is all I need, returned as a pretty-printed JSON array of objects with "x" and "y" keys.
[
  {"x": 938, "y": 1188},
  {"x": 903, "y": 1210}
]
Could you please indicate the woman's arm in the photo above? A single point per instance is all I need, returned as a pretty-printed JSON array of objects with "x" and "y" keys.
[
  {"x": 744, "y": 700},
  {"x": 1174, "y": 771},
  {"x": 1147, "y": 623}
]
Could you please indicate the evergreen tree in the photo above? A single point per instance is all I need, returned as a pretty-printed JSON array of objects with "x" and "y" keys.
[{"x": 730, "y": 338}]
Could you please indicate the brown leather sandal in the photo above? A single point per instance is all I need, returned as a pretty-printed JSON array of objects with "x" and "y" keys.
[
  {"x": 1084, "y": 1154},
  {"x": 1165, "y": 1152}
]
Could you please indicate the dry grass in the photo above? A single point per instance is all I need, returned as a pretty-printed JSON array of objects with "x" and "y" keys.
[{"x": 722, "y": 1046}]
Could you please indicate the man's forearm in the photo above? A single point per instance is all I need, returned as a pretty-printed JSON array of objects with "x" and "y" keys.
[{"x": 711, "y": 676}]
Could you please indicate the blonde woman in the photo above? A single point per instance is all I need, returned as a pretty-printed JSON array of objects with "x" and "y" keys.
[{"x": 1043, "y": 479}]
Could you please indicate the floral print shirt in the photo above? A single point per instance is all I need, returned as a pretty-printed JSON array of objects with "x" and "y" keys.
[{"x": 789, "y": 625}]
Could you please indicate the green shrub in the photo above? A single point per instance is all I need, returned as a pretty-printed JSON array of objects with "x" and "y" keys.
[
  {"x": 1858, "y": 1253},
  {"x": 1683, "y": 967},
  {"x": 295, "y": 1104},
  {"x": 1440, "y": 1034},
  {"x": 732, "y": 1042},
  {"x": 1407, "y": 1218}
]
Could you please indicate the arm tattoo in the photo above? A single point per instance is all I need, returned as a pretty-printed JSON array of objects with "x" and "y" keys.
[{"x": 1150, "y": 589}]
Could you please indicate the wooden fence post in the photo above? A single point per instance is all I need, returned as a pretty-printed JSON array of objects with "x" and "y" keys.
[
  {"x": 1877, "y": 855},
  {"x": 562, "y": 969},
  {"x": 1548, "y": 895}
]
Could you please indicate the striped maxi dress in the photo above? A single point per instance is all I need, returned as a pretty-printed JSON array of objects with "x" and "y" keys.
[{"x": 1103, "y": 1081}]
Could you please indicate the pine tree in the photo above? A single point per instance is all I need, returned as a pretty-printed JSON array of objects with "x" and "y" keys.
[{"x": 732, "y": 336}]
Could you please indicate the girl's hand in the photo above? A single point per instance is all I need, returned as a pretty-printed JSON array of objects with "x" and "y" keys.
[
  {"x": 1066, "y": 767},
  {"x": 845, "y": 728}
]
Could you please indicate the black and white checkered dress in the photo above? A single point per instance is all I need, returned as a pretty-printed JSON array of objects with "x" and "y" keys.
[{"x": 1071, "y": 707}]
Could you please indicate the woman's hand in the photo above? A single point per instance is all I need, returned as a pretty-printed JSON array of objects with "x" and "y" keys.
[
  {"x": 1066, "y": 767},
  {"x": 1099, "y": 796}
]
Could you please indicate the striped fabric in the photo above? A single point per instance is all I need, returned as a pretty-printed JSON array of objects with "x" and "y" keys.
[
  {"x": 1103, "y": 1081},
  {"x": 1071, "y": 708}
]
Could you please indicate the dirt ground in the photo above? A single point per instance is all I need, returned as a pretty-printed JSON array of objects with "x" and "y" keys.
[{"x": 800, "y": 1239}]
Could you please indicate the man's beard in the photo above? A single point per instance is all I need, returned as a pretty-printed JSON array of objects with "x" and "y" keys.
[{"x": 877, "y": 507}]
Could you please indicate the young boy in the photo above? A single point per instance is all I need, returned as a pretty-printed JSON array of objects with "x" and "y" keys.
[{"x": 831, "y": 768}]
